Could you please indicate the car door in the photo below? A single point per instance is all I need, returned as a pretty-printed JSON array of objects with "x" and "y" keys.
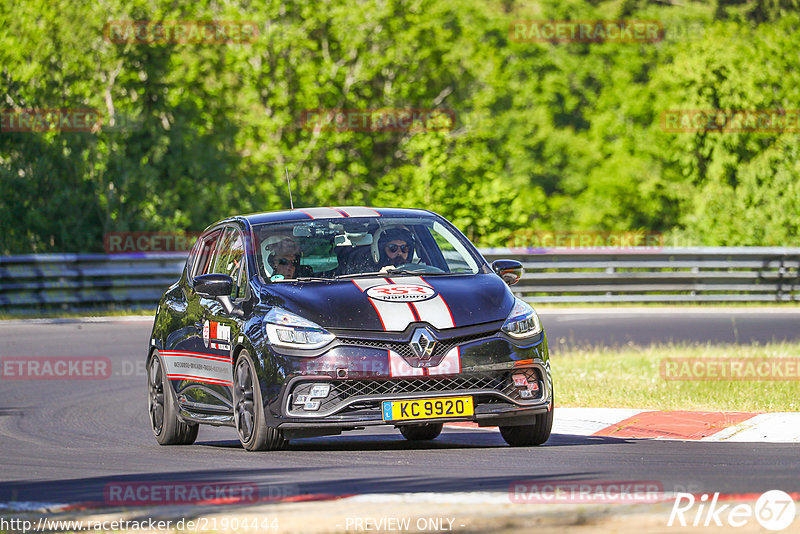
[
  {"x": 220, "y": 329},
  {"x": 200, "y": 376}
]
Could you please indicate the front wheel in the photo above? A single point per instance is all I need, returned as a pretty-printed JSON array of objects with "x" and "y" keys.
[
  {"x": 423, "y": 432},
  {"x": 528, "y": 435},
  {"x": 164, "y": 422},
  {"x": 248, "y": 410}
]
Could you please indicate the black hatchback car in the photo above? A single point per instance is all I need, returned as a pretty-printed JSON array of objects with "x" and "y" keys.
[{"x": 313, "y": 321}]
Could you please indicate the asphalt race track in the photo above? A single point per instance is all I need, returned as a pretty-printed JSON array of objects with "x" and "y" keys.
[{"x": 63, "y": 441}]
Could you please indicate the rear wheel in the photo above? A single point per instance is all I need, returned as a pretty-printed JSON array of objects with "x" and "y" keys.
[
  {"x": 527, "y": 435},
  {"x": 164, "y": 422},
  {"x": 248, "y": 410},
  {"x": 423, "y": 432}
]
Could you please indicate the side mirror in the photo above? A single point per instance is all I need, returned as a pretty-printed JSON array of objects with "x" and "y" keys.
[
  {"x": 213, "y": 285},
  {"x": 509, "y": 270},
  {"x": 218, "y": 287}
]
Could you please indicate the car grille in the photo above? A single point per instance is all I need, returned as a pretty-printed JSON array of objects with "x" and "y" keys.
[
  {"x": 403, "y": 348},
  {"x": 351, "y": 392}
]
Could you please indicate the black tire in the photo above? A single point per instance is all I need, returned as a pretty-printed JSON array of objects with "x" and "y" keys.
[
  {"x": 528, "y": 435},
  {"x": 423, "y": 432},
  {"x": 164, "y": 421},
  {"x": 248, "y": 409}
]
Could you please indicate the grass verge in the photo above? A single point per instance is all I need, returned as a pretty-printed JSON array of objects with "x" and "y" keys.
[{"x": 631, "y": 377}]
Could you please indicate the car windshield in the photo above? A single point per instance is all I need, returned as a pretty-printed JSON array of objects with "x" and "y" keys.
[{"x": 361, "y": 246}]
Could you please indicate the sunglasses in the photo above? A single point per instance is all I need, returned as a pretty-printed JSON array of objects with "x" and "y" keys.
[
  {"x": 284, "y": 262},
  {"x": 395, "y": 247}
]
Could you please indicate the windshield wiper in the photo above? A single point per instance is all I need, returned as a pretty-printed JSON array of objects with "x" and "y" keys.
[
  {"x": 392, "y": 272},
  {"x": 357, "y": 275},
  {"x": 302, "y": 279}
]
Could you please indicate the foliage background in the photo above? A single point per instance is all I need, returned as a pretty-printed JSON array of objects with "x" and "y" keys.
[{"x": 548, "y": 136}]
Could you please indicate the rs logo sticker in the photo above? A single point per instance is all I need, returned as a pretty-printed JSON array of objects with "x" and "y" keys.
[{"x": 401, "y": 293}]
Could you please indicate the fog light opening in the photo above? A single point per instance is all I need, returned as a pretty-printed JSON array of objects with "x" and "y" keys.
[
  {"x": 311, "y": 406},
  {"x": 314, "y": 391},
  {"x": 525, "y": 388}
]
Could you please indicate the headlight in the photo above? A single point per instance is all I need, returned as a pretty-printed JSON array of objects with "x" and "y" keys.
[
  {"x": 522, "y": 321},
  {"x": 286, "y": 329}
]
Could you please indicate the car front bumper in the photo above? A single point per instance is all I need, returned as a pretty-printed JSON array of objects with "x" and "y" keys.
[{"x": 360, "y": 379}]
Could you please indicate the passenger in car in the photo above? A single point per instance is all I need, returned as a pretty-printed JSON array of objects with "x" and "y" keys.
[{"x": 284, "y": 257}]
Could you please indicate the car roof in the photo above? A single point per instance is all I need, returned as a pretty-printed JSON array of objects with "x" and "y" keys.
[{"x": 306, "y": 214}]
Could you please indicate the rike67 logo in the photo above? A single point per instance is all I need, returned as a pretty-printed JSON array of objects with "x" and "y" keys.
[{"x": 774, "y": 510}]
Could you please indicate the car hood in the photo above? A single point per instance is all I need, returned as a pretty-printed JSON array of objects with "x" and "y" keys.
[{"x": 391, "y": 304}]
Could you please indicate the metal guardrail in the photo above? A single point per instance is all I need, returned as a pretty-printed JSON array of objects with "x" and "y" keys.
[
  {"x": 85, "y": 281},
  {"x": 719, "y": 274},
  {"x": 702, "y": 274}
]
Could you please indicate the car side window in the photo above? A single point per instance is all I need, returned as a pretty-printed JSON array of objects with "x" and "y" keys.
[
  {"x": 229, "y": 259},
  {"x": 205, "y": 249},
  {"x": 455, "y": 255},
  {"x": 191, "y": 261}
]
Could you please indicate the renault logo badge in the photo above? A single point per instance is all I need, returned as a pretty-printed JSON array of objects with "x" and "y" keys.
[{"x": 423, "y": 343}]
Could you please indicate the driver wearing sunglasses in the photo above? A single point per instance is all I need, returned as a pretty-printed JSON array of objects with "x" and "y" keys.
[
  {"x": 396, "y": 247},
  {"x": 397, "y": 251}
]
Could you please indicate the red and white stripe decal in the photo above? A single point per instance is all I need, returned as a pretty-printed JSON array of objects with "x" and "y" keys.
[
  {"x": 357, "y": 211},
  {"x": 450, "y": 364},
  {"x": 199, "y": 355},
  {"x": 198, "y": 367},
  {"x": 212, "y": 334},
  {"x": 434, "y": 311},
  {"x": 399, "y": 367},
  {"x": 195, "y": 378},
  {"x": 338, "y": 213},
  {"x": 322, "y": 213},
  {"x": 396, "y": 316}
]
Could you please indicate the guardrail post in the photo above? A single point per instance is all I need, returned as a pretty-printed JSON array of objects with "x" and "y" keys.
[{"x": 779, "y": 282}]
